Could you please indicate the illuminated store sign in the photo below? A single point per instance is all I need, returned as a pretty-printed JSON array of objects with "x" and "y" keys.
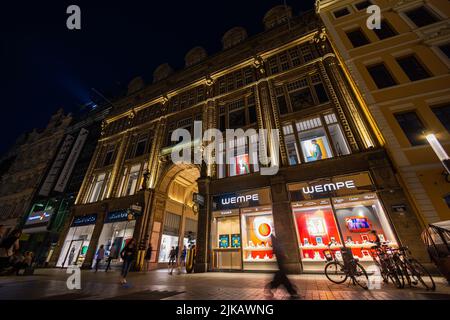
[
  {"x": 116, "y": 216},
  {"x": 84, "y": 220},
  {"x": 350, "y": 184},
  {"x": 39, "y": 217},
  {"x": 241, "y": 199}
]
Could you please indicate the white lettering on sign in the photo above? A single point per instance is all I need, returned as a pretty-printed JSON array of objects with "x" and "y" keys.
[
  {"x": 240, "y": 199},
  {"x": 350, "y": 184}
]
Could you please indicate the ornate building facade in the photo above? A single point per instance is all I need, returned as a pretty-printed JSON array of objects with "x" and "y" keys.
[
  {"x": 335, "y": 182},
  {"x": 402, "y": 73},
  {"x": 33, "y": 155}
]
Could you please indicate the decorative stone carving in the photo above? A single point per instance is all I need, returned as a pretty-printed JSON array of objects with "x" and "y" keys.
[
  {"x": 162, "y": 72},
  {"x": 233, "y": 36},
  {"x": 276, "y": 16},
  {"x": 195, "y": 55}
]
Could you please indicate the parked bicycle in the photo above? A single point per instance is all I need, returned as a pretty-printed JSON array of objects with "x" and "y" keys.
[
  {"x": 338, "y": 271},
  {"x": 400, "y": 267}
]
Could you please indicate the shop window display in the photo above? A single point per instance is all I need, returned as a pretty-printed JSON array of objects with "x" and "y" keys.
[
  {"x": 227, "y": 249},
  {"x": 357, "y": 216},
  {"x": 75, "y": 246},
  {"x": 167, "y": 242},
  {"x": 257, "y": 228},
  {"x": 316, "y": 228},
  {"x": 116, "y": 235},
  {"x": 315, "y": 145}
]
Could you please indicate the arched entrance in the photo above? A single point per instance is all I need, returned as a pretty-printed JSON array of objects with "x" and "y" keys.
[{"x": 174, "y": 220}]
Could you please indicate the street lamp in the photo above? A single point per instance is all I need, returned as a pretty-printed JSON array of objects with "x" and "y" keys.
[{"x": 439, "y": 150}]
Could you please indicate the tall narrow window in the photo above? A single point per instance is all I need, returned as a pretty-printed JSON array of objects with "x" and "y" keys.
[
  {"x": 341, "y": 12},
  {"x": 357, "y": 38},
  {"x": 363, "y": 5},
  {"x": 421, "y": 16},
  {"x": 413, "y": 68},
  {"x": 291, "y": 145},
  {"x": 381, "y": 76},
  {"x": 445, "y": 48},
  {"x": 313, "y": 140},
  {"x": 336, "y": 135},
  {"x": 109, "y": 156},
  {"x": 443, "y": 114},
  {"x": 132, "y": 180},
  {"x": 97, "y": 188},
  {"x": 412, "y": 126}
]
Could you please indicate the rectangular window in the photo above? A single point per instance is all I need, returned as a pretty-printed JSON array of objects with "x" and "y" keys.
[
  {"x": 381, "y": 76},
  {"x": 282, "y": 104},
  {"x": 413, "y": 68},
  {"x": 386, "y": 31},
  {"x": 321, "y": 93},
  {"x": 237, "y": 119},
  {"x": 313, "y": 140},
  {"x": 291, "y": 145},
  {"x": 357, "y": 38},
  {"x": 341, "y": 12},
  {"x": 421, "y": 16},
  {"x": 97, "y": 188},
  {"x": 443, "y": 114},
  {"x": 445, "y": 48},
  {"x": 301, "y": 99},
  {"x": 141, "y": 147},
  {"x": 412, "y": 126},
  {"x": 109, "y": 156},
  {"x": 132, "y": 180},
  {"x": 363, "y": 5}
]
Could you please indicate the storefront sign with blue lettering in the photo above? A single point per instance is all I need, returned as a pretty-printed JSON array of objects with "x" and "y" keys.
[
  {"x": 84, "y": 220},
  {"x": 116, "y": 216}
]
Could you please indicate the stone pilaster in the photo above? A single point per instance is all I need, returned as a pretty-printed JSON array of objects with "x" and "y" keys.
[
  {"x": 284, "y": 223},
  {"x": 90, "y": 254},
  {"x": 115, "y": 174},
  {"x": 203, "y": 256}
]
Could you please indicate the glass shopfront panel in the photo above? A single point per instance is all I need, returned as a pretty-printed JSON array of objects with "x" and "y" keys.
[
  {"x": 257, "y": 228},
  {"x": 75, "y": 246},
  {"x": 170, "y": 236},
  {"x": 316, "y": 228},
  {"x": 337, "y": 211},
  {"x": 115, "y": 235},
  {"x": 241, "y": 231},
  {"x": 357, "y": 216}
]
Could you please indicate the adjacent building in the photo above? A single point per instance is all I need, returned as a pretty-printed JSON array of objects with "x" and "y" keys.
[
  {"x": 57, "y": 192},
  {"x": 27, "y": 166},
  {"x": 401, "y": 72},
  {"x": 336, "y": 181}
]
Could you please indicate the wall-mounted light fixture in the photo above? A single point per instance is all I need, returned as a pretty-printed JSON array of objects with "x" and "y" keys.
[{"x": 440, "y": 152}]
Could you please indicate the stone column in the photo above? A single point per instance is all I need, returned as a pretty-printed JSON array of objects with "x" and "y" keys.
[
  {"x": 203, "y": 256},
  {"x": 347, "y": 98},
  {"x": 115, "y": 174},
  {"x": 284, "y": 223}
]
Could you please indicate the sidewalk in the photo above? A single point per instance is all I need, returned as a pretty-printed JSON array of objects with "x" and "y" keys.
[{"x": 156, "y": 285}]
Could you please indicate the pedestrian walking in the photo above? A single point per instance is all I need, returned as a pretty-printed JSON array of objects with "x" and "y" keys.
[
  {"x": 112, "y": 255},
  {"x": 8, "y": 247},
  {"x": 172, "y": 259},
  {"x": 148, "y": 257},
  {"x": 128, "y": 255},
  {"x": 280, "y": 277},
  {"x": 100, "y": 256},
  {"x": 182, "y": 262}
]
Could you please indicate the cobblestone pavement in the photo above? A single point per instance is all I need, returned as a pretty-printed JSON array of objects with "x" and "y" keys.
[{"x": 50, "y": 284}]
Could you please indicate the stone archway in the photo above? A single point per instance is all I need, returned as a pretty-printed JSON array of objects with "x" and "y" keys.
[{"x": 172, "y": 205}]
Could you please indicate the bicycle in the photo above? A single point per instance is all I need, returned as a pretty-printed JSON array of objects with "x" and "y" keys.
[
  {"x": 338, "y": 272},
  {"x": 387, "y": 262},
  {"x": 413, "y": 270}
]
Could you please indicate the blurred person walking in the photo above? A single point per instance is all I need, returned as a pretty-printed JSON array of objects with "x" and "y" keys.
[
  {"x": 128, "y": 255},
  {"x": 112, "y": 255},
  {"x": 100, "y": 256},
  {"x": 8, "y": 247},
  {"x": 148, "y": 257},
  {"x": 280, "y": 277}
]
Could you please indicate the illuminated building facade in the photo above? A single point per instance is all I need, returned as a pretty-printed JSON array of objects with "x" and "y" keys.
[
  {"x": 401, "y": 71},
  {"x": 335, "y": 182}
]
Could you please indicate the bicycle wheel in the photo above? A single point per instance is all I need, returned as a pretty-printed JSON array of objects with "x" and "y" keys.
[
  {"x": 360, "y": 276},
  {"x": 335, "y": 272},
  {"x": 396, "y": 276},
  {"x": 420, "y": 274}
]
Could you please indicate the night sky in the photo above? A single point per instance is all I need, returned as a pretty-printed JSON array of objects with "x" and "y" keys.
[{"x": 45, "y": 66}]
